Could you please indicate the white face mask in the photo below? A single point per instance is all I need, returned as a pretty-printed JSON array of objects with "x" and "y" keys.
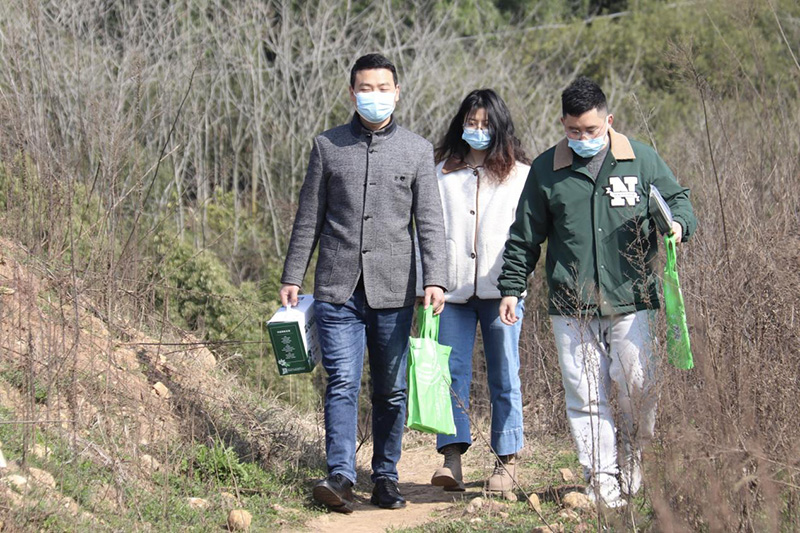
[
  {"x": 477, "y": 139},
  {"x": 589, "y": 147},
  {"x": 375, "y": 107}
]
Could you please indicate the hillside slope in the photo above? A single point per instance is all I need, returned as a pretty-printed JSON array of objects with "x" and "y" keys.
[{"x": 104, "y": 425}]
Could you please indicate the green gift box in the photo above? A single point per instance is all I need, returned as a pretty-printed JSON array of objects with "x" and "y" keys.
[{"x": 293, "y": 333}]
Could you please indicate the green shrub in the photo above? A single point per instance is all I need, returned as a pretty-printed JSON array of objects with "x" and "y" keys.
[
  {"x": 199, "y": 296},
  {"x": 195, "y": 290},
  {"x": 16, "y": 377},
  {"x": 219, "y": 464}
]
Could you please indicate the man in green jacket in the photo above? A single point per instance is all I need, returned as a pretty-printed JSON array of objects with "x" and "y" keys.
[{"x": 587, "y": 197}]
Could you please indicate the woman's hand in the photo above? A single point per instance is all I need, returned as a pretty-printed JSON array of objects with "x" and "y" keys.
[
  {"x": 508, "y": 310},
  {"x": 434, "y": 296}
]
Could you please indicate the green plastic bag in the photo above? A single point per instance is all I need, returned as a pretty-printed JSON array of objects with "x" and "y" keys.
[
  {"x": 429, "y": 406},
  {"x": 679, "y": 350}
]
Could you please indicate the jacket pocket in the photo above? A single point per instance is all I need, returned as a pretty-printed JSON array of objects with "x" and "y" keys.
[
  {"x": 402, "y": 181},
  {"x": 396, "y": 193},
  {"x": 328, "y": 250},
  {"x": 403, "y": 270}
]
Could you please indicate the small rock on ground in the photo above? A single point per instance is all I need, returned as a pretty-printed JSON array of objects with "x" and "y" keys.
[
  {"x": 228, "y": 499},
  {"x": 495, "y": 507},
  {"x": 567, "y": 475},
  {"x": 198, "y": 503},
  {"x": 70, "y": 505},
  {"x": 42, "y": 477},
  {"x": 534, "y": 503},
  {"x": 239, "y": 520},
  {"x": 510, "y": 496},
  {"x": 161, "y": 390},
  {"x": 149, "y": 462},
  {"x": 569, "y": 514},
  {"x": 16, "y": 481},
  {"x": 490, "y": 506},
  {"x": 474, "y": 505},
  {"x": 576, "y": 500}
]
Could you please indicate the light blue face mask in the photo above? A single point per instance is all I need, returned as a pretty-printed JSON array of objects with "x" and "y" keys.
[
  {"x": 477, "y": 139},
  {"x": 589, "y": 147},
  {"x": 375, "y": 107}
]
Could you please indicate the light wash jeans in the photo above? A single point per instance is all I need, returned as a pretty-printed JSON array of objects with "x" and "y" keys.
[
  {"x": 596, "y": 354},
  {"x": 344, "y": 332},
  {"x": 501, "y": 348}
]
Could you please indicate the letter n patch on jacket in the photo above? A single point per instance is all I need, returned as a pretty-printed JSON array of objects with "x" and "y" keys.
[{"x": 623, "y": 191}]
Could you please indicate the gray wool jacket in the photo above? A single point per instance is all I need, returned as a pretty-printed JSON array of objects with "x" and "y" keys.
[{"x": 363, "y": 195}]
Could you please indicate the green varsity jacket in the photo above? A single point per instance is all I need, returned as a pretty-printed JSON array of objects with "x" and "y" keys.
[{"x": 601, "y": 244}]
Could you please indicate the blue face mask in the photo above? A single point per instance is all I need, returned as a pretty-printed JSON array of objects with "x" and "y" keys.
[
  {"x": 375, "y": 107},
  {"x": 477, "y": 139},
  {"x": 589, "y": 147}
]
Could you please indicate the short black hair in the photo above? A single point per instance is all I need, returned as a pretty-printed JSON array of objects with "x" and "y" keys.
[
  {"x": 582, "y": 95},
  {"x": 371, "y": 61}
]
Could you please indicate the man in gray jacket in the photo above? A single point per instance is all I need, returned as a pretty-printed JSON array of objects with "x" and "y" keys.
[{"x": 369, "y": 184}]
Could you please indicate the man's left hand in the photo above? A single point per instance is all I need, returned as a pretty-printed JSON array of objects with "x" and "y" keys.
[
  {"x": 677, "y": 230},
  {"x": 434, "y": 296}
]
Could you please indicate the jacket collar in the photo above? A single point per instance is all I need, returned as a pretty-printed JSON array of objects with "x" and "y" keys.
[
  {"x": 621, "y": 149},
  {"x": 453, "y": 164},
  {"x": 358, "y": 129}
]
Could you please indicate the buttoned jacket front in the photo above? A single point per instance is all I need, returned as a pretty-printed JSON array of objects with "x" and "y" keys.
[
  {"x": 601, "y": 244},
  {"x": 478, "y": 212},
  {"x": 363, "y": 195}
]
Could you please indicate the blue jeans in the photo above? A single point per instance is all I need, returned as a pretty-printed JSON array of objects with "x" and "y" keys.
[
  {"x": 501, "y": 348},
  {"x": 344, "y": 332}
]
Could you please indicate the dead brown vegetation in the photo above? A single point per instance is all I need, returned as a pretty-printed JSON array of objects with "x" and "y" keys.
[
  {"x": 119, "y": 124},
  {"x": 131, "y": 404}
]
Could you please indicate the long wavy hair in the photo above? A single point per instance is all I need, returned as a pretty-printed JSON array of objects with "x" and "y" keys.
[{"x": 504, "y": 149}]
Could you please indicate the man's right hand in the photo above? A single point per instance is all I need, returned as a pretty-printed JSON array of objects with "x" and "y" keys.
[
  {"x": 508, "y": 310},
  {"x": 288, "y": 295}
]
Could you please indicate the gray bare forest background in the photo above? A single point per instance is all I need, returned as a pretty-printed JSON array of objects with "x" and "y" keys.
[{"x": 151, "y": 155}]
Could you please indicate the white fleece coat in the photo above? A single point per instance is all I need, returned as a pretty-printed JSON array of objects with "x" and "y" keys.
[{"x": 477, "y": 216}]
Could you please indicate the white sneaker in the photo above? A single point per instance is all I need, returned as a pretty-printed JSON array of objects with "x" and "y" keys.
[
  {"x": 630, "y": 474},
  {"x": 604, "y": 490}
]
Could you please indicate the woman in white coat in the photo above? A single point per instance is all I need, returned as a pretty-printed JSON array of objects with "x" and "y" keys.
[{"x": 481, "y": 171}]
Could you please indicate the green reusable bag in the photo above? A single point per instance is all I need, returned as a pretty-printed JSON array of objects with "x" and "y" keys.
[
  {"x": 429, "y": 407},
  {"x": 678, "y": 349}
]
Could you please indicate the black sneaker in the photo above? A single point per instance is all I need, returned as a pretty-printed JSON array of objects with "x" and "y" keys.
[
  {"x": 386, "y": 495},
  {"x": 335, "y": 493}
]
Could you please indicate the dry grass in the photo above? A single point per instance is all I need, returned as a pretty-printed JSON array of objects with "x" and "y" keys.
[
  {"x": 72, "y": 382},
  {"x": 118, "y": 124}
]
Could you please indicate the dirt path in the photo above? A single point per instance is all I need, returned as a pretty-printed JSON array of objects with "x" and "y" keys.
[{"x": 415, "y": 469}]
